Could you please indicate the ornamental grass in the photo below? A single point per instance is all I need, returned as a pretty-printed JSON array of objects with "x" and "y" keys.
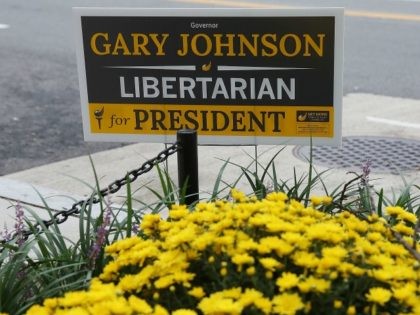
[{"x": 246, "y": 255}]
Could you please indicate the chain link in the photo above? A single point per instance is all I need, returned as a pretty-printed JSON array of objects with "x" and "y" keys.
[{"x": 62, "y": 216}]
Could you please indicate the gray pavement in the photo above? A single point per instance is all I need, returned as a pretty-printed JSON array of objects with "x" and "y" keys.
[
  {"x": 61, "y": 183},
  {"x": 40, "y": 119}
]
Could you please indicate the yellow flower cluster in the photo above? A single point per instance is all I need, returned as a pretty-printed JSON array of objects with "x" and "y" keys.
[{"x": 270, "y": 256}]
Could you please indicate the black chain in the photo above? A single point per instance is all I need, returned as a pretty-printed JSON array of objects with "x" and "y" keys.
[{"x": 62, "y": 216}]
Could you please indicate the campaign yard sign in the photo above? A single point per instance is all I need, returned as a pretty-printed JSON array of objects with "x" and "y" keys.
[{"x": 237, "y": 76}]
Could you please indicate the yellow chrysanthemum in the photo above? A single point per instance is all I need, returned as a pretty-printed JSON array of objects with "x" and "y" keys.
[
  {"x": 38, "y": 310},
  {"x": 287, "y": 304},
  {"x": 351, "y": 310},
  {"x": 238, "y": 196},
  {"x": 219, "y": 304},
  {"x": 401, "y": 228},
  {"x": 139, "y": 305},
  {"x": 287, "y": 281},
  {"x": 326, "y": 231},
  {"x": 379, "y": 295},
  {"x": 270, "y": 263},
  {"x": 404, "y": 293},
  {"x": 242, "y": 259},
  {"x": 197, "y": 292},
  {"x": 296, "y": 239},
  {"x": 335, "y": 251},
  {"x": 380, "y": 260},
  {"x": 184, "y": 312},
  {"x": 409, "y": 217},
  {"x": 401, "y": 214},
  {"x": 221, "y": 245},
  {"x": 317, "y": 200},
  {"x": 277, "y": 196},
  {"x": 394, "y": 211},
  {"x": 274, "y": 244},
  {"x": 338, "y": 304},
  {"x": 150, "y": 223},
  {"x": 253, "y": 297},
  {"x": 313, "y": 284},
  {"x": 160, "y": 310},
  {"x": 50, "y": 303},
  {"x": 374, "y": 236},
  {"x": 178, "y": 212},
  {"x": 305, "y": 259}
]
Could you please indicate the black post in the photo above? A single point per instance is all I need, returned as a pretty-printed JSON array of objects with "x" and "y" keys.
[{"x": 188, "y": 164}]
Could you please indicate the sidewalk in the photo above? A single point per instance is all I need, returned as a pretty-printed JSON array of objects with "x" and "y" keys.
[{"x": 67, "y": 181}]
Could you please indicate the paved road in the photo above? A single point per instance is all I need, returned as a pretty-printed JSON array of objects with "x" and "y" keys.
[{"x": 40, "y": 119}]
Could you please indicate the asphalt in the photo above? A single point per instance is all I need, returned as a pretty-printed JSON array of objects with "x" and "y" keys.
[{"x": 62, "y": 183}]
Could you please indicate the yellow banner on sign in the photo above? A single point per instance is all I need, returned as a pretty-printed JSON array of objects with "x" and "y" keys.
[{"x": 219, "y": 120}]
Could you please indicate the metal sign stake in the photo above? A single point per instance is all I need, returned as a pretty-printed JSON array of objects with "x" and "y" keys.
[{"x": 188, "y": 164}]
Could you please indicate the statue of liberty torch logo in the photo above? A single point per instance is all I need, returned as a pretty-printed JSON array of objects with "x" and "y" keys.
[{"x": 98, "y": 115}]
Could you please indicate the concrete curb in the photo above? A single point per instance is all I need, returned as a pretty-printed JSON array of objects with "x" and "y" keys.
[{"x": 65, "y": 181}]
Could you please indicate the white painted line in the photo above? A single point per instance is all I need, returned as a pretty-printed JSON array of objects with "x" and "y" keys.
[
  {"x": 4, "y": 26},
  {"x": 393, "y": 122}
]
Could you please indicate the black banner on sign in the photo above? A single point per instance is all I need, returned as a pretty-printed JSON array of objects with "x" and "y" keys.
[{"x": 270, "y": 66}]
